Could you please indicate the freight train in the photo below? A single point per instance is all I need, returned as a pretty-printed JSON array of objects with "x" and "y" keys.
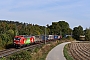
[{"x": 23, "y": 40}]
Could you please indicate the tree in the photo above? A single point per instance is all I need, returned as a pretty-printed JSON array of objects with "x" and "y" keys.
[
  {"x": 69, "y": 31},
  {"x": 1, "y": 43},
  {"x": 64, "y": 27},
  {"x": 77, "y": 31},
  {"x": 56, "y": 28},
  {"x": 5, "y": 39},
  {"x": 59, "y": 28},
  {"x": 87, "y": 34},
  {"x": 10, "y": 33}
]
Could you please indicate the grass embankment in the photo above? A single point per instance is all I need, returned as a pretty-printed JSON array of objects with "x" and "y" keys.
[
  {"x": 39, "y": 53},
  {"x": 42, "y": 53},
  {"x": 66, "y": 53}
]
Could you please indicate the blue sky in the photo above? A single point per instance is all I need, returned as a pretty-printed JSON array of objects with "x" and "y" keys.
[{"x": 43, "y": 12}]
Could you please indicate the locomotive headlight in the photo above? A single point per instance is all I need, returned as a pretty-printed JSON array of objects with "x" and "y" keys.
[{"x": 14, "y": 39}]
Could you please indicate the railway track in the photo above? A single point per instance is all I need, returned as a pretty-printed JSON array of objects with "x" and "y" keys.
[
  {"x": 5, "y": 53},
  {"x": 80, "y": 51}
]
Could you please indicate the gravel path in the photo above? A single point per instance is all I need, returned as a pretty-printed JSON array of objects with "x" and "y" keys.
[{"x": 57, "y": 52}]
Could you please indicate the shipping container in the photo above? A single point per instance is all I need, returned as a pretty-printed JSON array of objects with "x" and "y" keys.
[
  {"x": 43, "y": 37},
  {"x": 50, "y": 37},
  {"x": 59, "y": 37},
  {"x": 55, "y": 36},
  {"x": 38, "y": 38}
]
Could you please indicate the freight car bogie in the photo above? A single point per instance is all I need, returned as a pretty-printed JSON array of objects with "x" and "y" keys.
[{"x": 18, "y": 45}]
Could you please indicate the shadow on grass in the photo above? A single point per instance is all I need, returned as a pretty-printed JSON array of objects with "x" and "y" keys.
[{"x": 9, "y": 46}]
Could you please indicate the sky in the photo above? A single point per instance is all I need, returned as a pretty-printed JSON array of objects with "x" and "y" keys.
[{"x": 43, "y": 12}]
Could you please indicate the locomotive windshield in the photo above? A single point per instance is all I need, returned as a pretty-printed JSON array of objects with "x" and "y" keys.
[{"x": 17, "y": 38}]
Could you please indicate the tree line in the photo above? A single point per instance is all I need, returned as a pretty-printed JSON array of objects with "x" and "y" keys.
[{"x": 9, "y": 29}]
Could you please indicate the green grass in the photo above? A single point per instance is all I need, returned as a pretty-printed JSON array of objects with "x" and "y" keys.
[{"x": 66, "y": 54}]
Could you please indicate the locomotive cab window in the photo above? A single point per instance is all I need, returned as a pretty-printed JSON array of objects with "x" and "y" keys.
[{"x": 17, "y": 38}]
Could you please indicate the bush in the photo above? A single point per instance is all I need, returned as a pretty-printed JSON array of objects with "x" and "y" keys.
[
  {"x": 69, "y": 38},
  {"x": 23, "y": 55}
]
